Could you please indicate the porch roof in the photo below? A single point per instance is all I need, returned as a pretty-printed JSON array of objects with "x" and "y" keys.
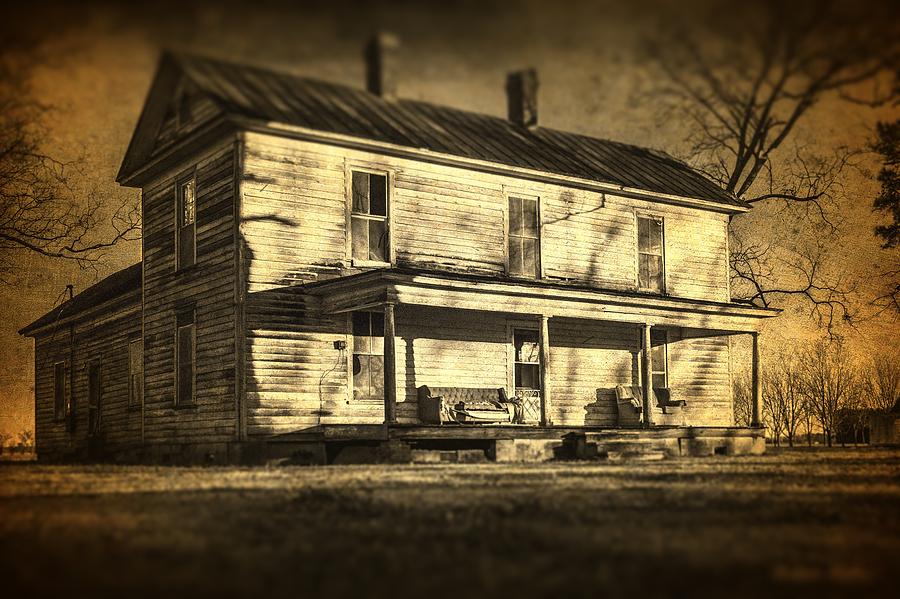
[{"x": 405, "y": 286}]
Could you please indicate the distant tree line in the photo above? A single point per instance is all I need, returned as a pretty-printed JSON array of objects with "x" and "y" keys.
[{"x": 822, "y": 389}]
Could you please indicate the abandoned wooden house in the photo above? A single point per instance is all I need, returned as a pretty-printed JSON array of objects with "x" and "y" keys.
[{"x": 328, "y": 268}]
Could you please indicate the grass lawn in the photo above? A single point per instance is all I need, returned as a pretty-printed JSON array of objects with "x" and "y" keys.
[{"x": 797, "y": 523}]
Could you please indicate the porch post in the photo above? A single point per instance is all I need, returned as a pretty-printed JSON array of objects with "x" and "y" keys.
[
  {"x": 756, "y": 399},
  {"x": 544, "y": 341},
  {"x": 647, "y": 377},
  {"x": 390, "y": 369}
]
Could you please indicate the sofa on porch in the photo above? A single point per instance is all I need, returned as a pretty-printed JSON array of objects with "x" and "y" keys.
[
  {"x": 629, "y": 401},
  {"x": 467, "y": 405}
]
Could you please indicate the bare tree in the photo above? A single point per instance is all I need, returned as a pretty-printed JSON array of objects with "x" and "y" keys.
[
  {"x": 783, "y": 398},
  {"x": 741, "y": 400},
  {"x": 743, "y": 98},
  {"x": 882, "y": 383},
  {"x": 44, "y": 207},
  {"x": 828, "y": 382}
]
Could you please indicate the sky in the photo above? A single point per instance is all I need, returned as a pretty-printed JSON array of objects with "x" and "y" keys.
[{"x": 96, "y": 60}]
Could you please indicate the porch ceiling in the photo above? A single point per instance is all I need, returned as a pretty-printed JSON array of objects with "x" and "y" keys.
[{"x": 464, "y": 292}]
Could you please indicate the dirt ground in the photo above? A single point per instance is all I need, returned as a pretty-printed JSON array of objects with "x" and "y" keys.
[{"x": 800, "y": 522}]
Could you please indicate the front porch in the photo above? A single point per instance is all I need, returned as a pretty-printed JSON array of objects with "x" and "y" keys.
[{"x": 454, "y": 330}]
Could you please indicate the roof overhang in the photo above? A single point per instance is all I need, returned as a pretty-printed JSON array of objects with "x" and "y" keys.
[
  {"x": 425, "y": 155},
  {"x": 373, "y": 289}
]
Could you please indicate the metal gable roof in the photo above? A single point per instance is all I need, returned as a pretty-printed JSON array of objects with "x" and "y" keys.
[{"x": 266, "y": 95}]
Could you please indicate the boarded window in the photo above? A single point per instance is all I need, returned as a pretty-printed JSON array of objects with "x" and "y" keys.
[
  {"x": 186, "y": 252},
  {"x": 651, "y": 267},
  {"x": 60, "y": 406},
  {"x": 368, "y": 217},
  {"x": 185, "y": 352},
  {"x": 524, "y": 238},
  {"x": 94, "y": 398},
  {"x": 659, "y": 358},
  {"x": 368, "y": 356},
  {"x": 135, "y": 372}
]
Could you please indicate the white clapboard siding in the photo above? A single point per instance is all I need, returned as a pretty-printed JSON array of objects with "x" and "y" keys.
[
  {"x": 294, "y": 222},
  {"x": 209, "y": 286}
]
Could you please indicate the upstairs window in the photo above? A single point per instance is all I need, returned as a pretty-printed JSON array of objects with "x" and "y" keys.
[
  {"x": 651, "y": 261},
  {"x": 524, "y": 238},
  {"x": 659, "y": 359},
  {"x": 185, "y": 358},
  {"x": 135, "y": 373},
  {"x": 186, "y": 233},
  {"x": 368, "y": 217},
  {"x": 61, "y": 407},
  {"x": 368, "y": 356}
]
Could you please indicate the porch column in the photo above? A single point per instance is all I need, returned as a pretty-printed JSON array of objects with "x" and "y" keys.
[
  {"x": 545, "y": 371},
  {"x": 390, "y": 368},
  {"x": 756, "y": 398},
  {"x": 647, "y": 377}
]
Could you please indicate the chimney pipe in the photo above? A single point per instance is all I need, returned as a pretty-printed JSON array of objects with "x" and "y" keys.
[
  {"x": 521, "y": 96},
  {"x": 381, "y": 76}
]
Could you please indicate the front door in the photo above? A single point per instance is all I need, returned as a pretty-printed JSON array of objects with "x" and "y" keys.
[{"x": 527, "y": 377}]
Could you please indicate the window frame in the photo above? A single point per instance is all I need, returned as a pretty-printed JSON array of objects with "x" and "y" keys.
[
  {"x": 654, "y": 364},
  {"x": 180, "y": 181},
  {"x": 135, "y": 391},
  {"x": 351, "y": 353},
  {"x": 61, "y": 405},
  {"x": 510, "y": 193},
  {"x": 349, "y": 169},
  {"x": 177, "y": 402},
  {"x": 638, "y": 215},
  {"x": 95, "y": 408}
]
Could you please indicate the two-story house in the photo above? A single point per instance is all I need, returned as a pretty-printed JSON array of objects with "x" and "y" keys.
[{"x": 325, "y": 264}]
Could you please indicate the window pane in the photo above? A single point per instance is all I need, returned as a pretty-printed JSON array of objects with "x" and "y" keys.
[
  {"x": 654, "y": 269},
  {"x": 529, "y": 218},
  {"x": 377, "y": 324},
  {"x": 378, "y": 241},
  {"x": 643, "y": 234},
  {"x": 59, "y": 389},
  {"x": 187, "y": 202},
  {"x": 643, "y": 271},
  {"x": 360, "y": 192},
  {"x": 529, "y": 258},
  {"x": 185, "y": 344},
  {"x": 378, "y": 195},
  {"x": 186, "y": 246},
  {"x": 659, "y": 380},
  {"x": 185, "y": 384},
  {"x": 658, "y": 357},
  {"x": 655, "y": 243},
  {"x": 376, "y": 374},
  {"x": 360, "y": 376},
  {"x": 360, "y": 238},
  {"x": 515, "y": 256},
  {"x": 526, "y": 344},
  {"x": 361, "y": 324},
  {"x": 528, "y": 376},
  {"x": 515, "y": 217}
]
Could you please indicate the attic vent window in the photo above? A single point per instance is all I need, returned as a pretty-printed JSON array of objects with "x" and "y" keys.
[{"x": 368, "y": 217}]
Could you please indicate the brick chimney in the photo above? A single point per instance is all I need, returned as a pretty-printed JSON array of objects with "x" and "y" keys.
[
  {"x": 521, "y": 96},
  {"x": 381, "y": 72}
]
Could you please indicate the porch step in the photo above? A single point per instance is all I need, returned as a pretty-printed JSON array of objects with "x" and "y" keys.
[{"x": 634, "y": 456}]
